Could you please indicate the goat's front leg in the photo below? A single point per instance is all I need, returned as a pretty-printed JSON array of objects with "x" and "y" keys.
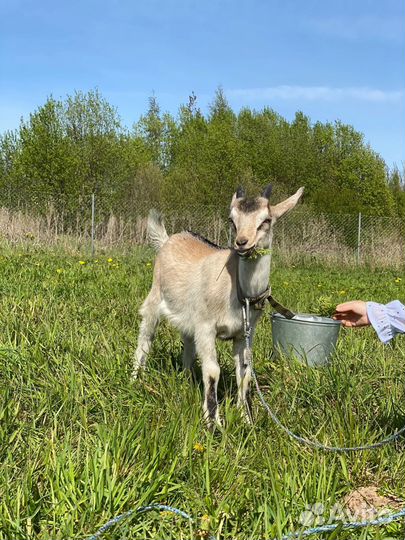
[
  {"x": 205, "y": 347},
  {"x": 243, "y": 376}
]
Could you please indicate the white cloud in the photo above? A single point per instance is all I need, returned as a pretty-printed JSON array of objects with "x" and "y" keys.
[{"x": 318, "y": 93}]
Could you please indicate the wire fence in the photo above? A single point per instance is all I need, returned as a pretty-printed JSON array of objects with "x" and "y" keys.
[{"x": 95, "y": 226}]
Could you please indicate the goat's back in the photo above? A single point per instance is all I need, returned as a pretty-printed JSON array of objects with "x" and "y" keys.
[{"x": 193, "y": 272}]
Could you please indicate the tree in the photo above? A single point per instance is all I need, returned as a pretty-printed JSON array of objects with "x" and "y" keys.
[
  {"x": 158, "y": 132},
  {"x": 42, "y": 165},
  {"x": 68, "y": 149},
  {"x": 397, "y": 187}
]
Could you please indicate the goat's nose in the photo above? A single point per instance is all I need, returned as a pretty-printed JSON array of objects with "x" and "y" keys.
[{"x": 242, "y": 241}]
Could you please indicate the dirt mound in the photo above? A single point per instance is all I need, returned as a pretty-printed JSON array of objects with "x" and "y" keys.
[{"x": 366, "y": 503}]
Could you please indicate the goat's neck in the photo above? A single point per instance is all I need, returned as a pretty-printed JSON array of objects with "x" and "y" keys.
[{"x": 254, "y": 275}]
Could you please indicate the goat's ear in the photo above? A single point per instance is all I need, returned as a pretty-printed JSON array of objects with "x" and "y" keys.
[
  {"x": 267, "y": 191},
  {"x": 283, "y": 207},
  {"x": 239, "y": 194}
]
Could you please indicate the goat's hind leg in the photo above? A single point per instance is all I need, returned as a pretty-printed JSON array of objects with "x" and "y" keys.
[
  {"x": 150, "y": 319},
  {"x": 205, "y": 347},
  {"x": 189, "y": 353}
]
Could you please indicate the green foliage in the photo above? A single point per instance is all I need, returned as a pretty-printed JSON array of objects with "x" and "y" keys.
[
  {"x": 158, "y": 132},
  {"x": 397, "y": 186},
  {"x": 44, "y": 163},
  {"x": 69, "y": 149},
  {"x": 323, "y": 306}
]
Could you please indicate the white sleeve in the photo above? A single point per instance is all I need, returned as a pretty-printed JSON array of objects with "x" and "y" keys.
[{"x": 387, "y": 320}]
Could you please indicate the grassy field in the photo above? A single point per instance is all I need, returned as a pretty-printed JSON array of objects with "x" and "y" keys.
[{"x": 82, "y": 442}]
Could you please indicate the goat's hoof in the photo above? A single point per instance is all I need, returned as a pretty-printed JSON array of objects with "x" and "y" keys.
[
  {"x": 214, "y": 425},
  {"x": 137, "y": 371},
  {"x": 246, "y": 413},
  {"x": 190, "y": 375}
]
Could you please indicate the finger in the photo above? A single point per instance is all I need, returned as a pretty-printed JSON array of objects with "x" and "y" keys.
[
  {"x": 341, "y": 319},
  {"x": 346, "y": 306},
  {"x": 344, "y": 315},
  {"x": 348, "y": 324}
]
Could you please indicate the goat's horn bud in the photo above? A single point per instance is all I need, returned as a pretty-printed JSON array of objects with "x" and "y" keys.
[
  {"x": 240, "y": 192},
  {"x": 267, "y": 191}
]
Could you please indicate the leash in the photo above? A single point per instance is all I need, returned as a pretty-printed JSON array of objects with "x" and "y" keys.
[
  {"x": 280, "y": 308},
  {"x": 383, "y": 520},
  {"x": 302, "y": 440},
  {"x": 142, "y": 510}
]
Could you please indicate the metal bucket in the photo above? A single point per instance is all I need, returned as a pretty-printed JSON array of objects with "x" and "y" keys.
[{"x": 312, "y": 339}]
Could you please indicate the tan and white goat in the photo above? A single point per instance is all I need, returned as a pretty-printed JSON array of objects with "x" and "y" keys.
[{"x": 195, "y": 288}]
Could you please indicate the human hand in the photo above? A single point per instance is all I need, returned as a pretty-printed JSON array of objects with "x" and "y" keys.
[{"x": 352, "y": 314}]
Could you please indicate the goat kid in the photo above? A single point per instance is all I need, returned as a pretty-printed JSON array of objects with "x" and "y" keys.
[{"x": 195, "y": 288}]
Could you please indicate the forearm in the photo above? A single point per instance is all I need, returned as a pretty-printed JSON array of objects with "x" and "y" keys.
[{"x": 387, "y": 320}]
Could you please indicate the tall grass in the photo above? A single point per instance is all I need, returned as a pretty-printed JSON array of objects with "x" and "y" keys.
[{"x": 81, "y": 442}]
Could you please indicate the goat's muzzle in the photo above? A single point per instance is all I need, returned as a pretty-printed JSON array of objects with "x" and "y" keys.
[{"x": 245, "y": 253}]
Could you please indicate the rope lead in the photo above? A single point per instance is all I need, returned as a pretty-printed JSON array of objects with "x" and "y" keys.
[{"x": 384, "y": 520}]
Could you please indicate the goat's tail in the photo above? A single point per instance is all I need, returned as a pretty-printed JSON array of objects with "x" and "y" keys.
[{"x": 157, "y": 233}]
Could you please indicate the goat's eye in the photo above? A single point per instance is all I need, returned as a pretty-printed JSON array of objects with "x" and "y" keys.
[
  {"x": 232, "y": 224},
  {"x": 264, "y": 224}
]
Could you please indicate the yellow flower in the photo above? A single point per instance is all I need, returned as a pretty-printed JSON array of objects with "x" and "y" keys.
[
  {"x": 148, "y": 264},
  {"x": 59, "y": 270},
  {"x": 82, "y": 262},
  {"x": 342, "y": 292},
  {"x": 285, "y": 283},
  {"x": 205, "y": 526},
  {"x": 96, "y": 260},
  {"x": 166, "y": 513},
  {"x": 109, "y": 260},
  {"x": 199, "y": 448},
  {"x": 398, "y": 280}
]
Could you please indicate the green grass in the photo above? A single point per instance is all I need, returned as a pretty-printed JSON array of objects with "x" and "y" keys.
[{"x": 81, "y": 442}]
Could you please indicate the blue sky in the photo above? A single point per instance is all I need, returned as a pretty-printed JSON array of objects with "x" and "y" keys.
[{"x": 332, "y": 60}]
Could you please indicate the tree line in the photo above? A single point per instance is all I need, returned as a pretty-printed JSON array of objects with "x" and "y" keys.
[{"x": 68, "y": 149}]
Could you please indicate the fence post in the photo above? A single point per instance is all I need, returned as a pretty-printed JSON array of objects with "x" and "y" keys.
[
  {"x": 93, "y": 216},
  {"x": 358, "y": 238}
]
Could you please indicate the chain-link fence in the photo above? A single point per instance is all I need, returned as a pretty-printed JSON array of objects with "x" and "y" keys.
[{"x": 95, "y": 226}]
